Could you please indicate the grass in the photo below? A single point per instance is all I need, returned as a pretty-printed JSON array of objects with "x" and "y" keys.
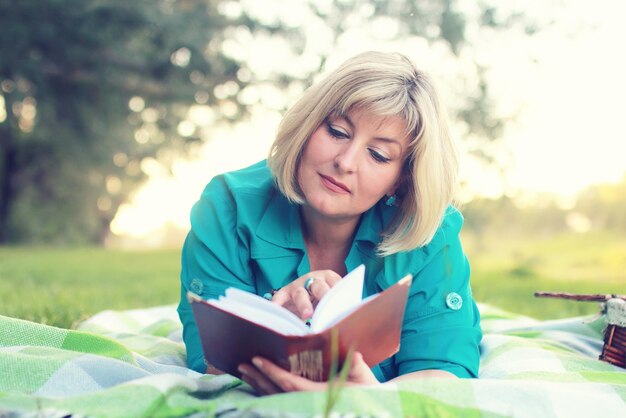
[
  {"x": 506, "y": 271},
  {"x": 62, "y": 286}
]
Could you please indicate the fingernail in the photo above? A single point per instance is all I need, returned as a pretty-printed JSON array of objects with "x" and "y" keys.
[
  {"x": 257, "y": 362},
  {"x": 241, "y": 369}
]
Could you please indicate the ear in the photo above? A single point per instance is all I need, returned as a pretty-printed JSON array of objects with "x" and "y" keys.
[{"x": 393, "y": 190}]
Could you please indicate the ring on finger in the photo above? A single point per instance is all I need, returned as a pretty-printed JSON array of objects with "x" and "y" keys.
[{"x": 308, "y": 283}]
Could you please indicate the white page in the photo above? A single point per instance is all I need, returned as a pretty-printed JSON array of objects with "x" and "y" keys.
[
  {"x": 259, "y": 302},
  {"x": 261, "y": 311},
  {"x": 264, "y": 318},
  {"x": 341, "y": 299}
]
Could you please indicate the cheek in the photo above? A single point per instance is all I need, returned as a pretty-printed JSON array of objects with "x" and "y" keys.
[
  {"x": 305, "y": 163},
  {"x": 320, "y": 148},
  {"x": 313, "y": 150},
  {"x": 379, "y": 184},
  {"x": 303, "y": 171}
]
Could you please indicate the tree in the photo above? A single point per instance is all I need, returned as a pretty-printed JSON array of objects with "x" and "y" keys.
[
  {"x": 92, "y": 90},
  {"x": 604, "y": 205}
]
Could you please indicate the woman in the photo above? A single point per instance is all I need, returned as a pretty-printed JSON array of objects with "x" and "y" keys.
[{"x": 362, "y": 171}]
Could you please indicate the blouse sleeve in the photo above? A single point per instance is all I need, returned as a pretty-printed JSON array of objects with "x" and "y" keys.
[
  {"x": 214, "y": 257},
  {"x": 441, "y": 328}
]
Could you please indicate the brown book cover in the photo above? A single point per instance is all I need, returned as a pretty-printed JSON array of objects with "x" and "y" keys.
[{"x": 373, "y": 328}]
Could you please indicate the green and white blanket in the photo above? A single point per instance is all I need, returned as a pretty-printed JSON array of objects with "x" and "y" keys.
[{"x": 131, "y": 364}]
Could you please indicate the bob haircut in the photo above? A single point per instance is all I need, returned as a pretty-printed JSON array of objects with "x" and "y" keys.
[{"x": 386, "y": 84}]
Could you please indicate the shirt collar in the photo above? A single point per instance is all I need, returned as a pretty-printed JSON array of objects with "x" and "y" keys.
[
  {"x": 373, "y": 223},
  {"x": 280, "y": 223}
]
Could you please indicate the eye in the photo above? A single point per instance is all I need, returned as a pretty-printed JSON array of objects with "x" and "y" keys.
[
  {"x": 377, "y": 156},
  {"x": 335, "y": 133}
]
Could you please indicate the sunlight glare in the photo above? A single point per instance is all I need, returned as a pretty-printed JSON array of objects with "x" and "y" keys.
[
  {"x": 168, "y": 198},
  {"x": 3, "y": 110}
]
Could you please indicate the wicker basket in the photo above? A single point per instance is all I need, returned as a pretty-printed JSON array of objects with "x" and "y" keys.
[
  {"x": 614, "y": 350},
  {"x": 614, "y": 307}
]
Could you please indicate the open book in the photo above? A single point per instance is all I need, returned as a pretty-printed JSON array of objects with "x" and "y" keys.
[{"x": 241, "y": 325}]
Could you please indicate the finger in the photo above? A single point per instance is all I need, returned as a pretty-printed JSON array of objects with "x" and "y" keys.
[
  {"x": 285, "y": 380},
  {"x": 281, "y": 297},
  {"x": 259, "y": 390},
  {"x": 252, "y": 383},
  {"x": 318, "y": 289},
  {"x": 330, "y": 277},
  {"x": 257, "y": 380},
  {"x": 302, "y": 301}
]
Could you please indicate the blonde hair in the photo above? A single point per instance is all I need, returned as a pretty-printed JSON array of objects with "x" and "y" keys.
[{"x": 386, "y": 84}]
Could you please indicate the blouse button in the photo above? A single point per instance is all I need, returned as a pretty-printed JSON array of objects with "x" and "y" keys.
[
  {"x": 196, "y": 286},
  {"x": 454, "y": 301}
]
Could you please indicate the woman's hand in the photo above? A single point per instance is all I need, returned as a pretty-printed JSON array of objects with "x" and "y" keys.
[
  {"x": 267, "y": 378},
  {"x": 302, "y": 301}
]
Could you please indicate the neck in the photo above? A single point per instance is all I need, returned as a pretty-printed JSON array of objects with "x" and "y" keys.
[
  {"x": 328, "y": 241},
  {"x": 327, "y": 233}
]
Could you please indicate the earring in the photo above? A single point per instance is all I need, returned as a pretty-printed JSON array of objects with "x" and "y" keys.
[{"x": 391, "y": 200}]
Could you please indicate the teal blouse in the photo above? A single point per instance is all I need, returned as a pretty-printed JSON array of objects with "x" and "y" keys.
[{"x": 246, "y": 234}]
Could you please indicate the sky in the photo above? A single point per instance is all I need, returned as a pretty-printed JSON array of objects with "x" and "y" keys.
[
  {"x": 569, "y": 134},
  {"x": 561, "y": 90}
]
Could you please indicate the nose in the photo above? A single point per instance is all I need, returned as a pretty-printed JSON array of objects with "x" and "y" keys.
[{"x": 347, "y": 158}]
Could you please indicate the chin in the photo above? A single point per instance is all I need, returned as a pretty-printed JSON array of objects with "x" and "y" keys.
[
  {"x": 323, "y": 208},
  {"x": 334, "y": 213}
]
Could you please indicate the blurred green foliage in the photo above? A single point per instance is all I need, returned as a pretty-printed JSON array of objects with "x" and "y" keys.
[
  {"x": 597, "y": 208},
  {"x": 91, "y": 89},
  {"x": 516, "y": 250},
  {"x": 605, "y": 205}
]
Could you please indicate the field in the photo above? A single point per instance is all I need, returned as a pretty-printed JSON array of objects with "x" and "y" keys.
[
  {"x": 62, "y": 286},
  {"x": 506, "y": 271}
]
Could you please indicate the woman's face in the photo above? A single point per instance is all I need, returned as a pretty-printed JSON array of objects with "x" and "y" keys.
[{"x": 349, "y": 163}]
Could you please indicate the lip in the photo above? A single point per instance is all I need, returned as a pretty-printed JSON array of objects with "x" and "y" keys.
[{"x": 334, "y": 185}]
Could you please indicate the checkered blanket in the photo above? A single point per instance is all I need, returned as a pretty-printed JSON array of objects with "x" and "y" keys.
[{"x": 131, "y": 364}]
